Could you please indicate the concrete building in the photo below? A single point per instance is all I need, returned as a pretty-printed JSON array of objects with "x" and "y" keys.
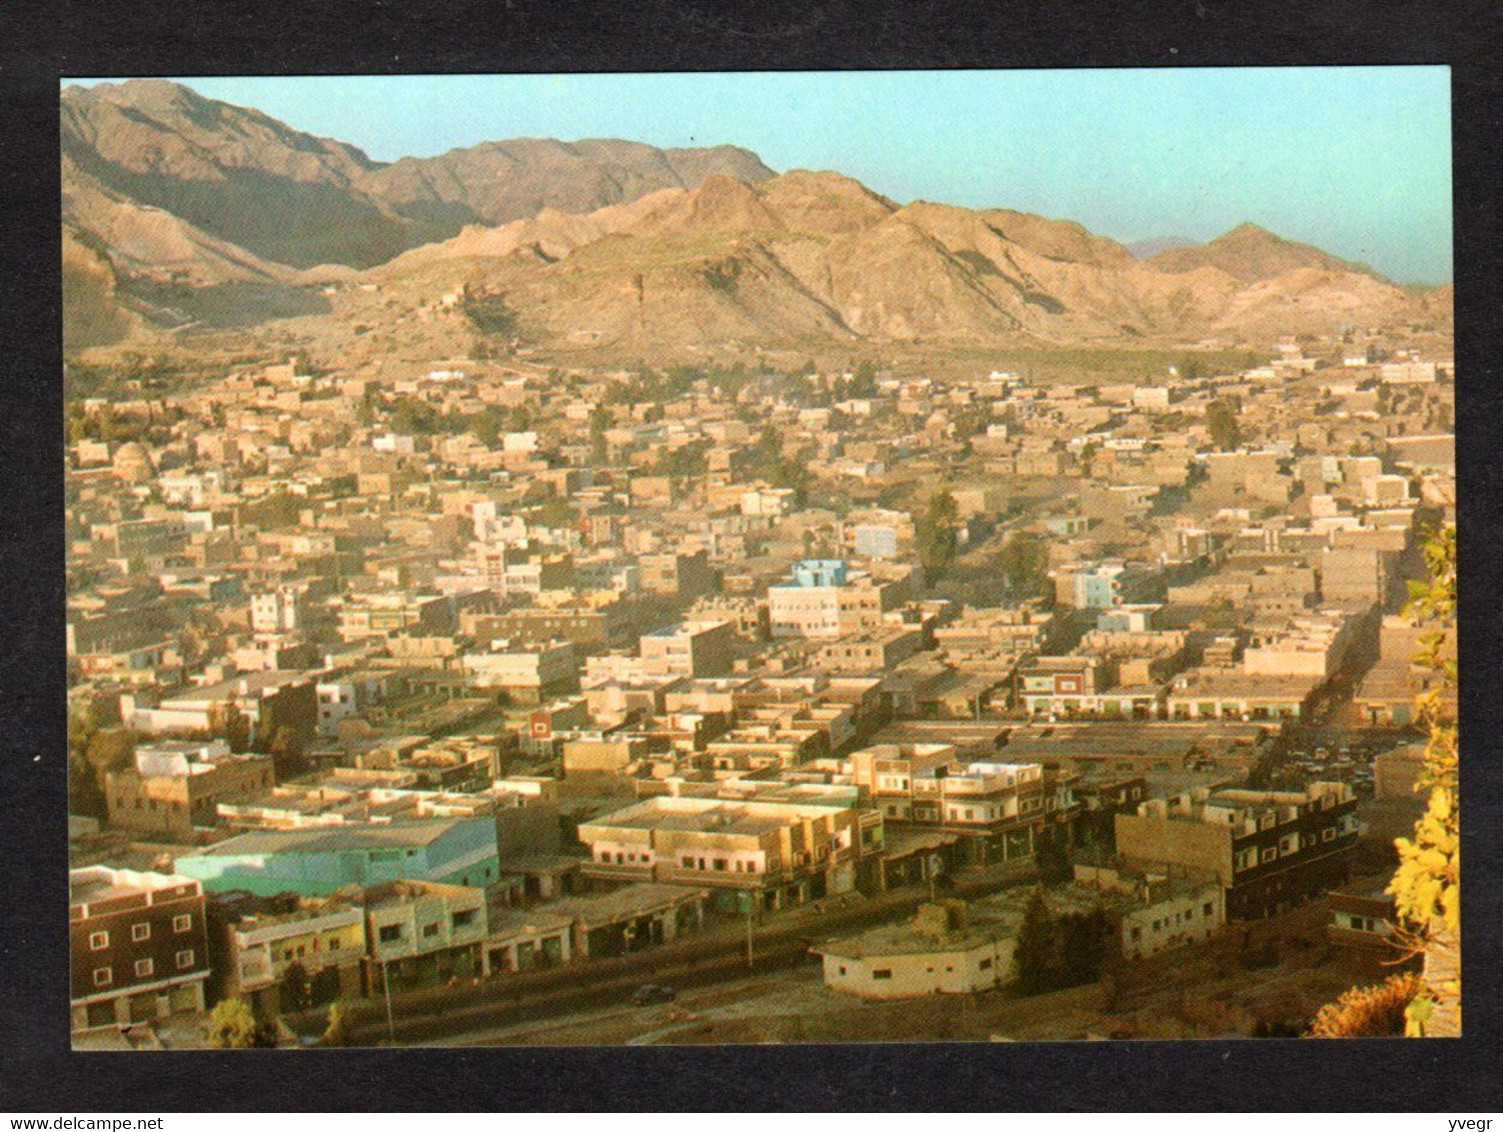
[
  {"x": 317, "y": 862},
  {"x": 138, "y": 947},
  {"x": 1102, "y": 585},
  {"x": 421, "y": 932},
  {"x": 939, "y": 951},
  {"x": 173, "y": 787},
  {"x": 691, "y": 648},
  {"x": 1001, "y": 811},
  {"x": 752, "y": 854},
  {"x": 256, "y": 942},
  {"x": 1270, "y": 850},
  {"x": 526, "y": 675},
  {"x": 682, "y": 575},
  {"x": 1363, "y": 917},
  {"x": 824, "y": 598}
]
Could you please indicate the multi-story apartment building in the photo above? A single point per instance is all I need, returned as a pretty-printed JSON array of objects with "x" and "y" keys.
[
  {"x": 529, "y": 675},
  {"x": 422, "y": 932},
  {"x": 683, "y": 575},
  {"x": 691, "y": 648},
  {"x": 257, "y": 942},
  {"x": 280, "y": 610},
  {"x": 381, "y": 615},
  {"x": 1101, "y": 585},
  {"x": 1060, "y": 685},
  {"x": 174, "y": 786},
  {"x": 1001, "y": 811},
  {"x": 824, "y": 598},
  {"x": 749, "y": 854},
  {"x": 138, "y": 947},
  {"x": 1269, "y": 849}
]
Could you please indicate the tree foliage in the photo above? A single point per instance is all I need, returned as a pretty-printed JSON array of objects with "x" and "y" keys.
[
  {"x": 1057, "y": 952},
  {"x": 1037, "y": 947},
  {"x": 336, "y": 1031},
  {"x": 232, "y": 1025},
  {"x": 1427, "y": 884},
  {"x": 1368, "y": 1012},
  {"x": 297, "y": 988},
  {"x": 490, "y": 314},
  {"x": 1024, "y": 563},
  {"x": 1221, "y": 420},
  {"x": 935, "y": 534}
]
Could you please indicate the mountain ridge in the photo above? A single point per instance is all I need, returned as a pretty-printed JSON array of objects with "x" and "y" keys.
[{"x": 205, "y": 212}]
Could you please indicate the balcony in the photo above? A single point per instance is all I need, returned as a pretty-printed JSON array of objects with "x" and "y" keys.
[{"x": 609, "y": 870}]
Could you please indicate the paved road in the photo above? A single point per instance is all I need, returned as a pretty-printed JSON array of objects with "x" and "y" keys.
[{"x": 715, "y": 956}]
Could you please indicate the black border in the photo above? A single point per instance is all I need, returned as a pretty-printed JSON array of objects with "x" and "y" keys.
[{"x": 45, "y": 41}]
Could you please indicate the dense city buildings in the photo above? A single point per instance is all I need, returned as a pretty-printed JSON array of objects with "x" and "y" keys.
[{"x": 463, "y": 642}]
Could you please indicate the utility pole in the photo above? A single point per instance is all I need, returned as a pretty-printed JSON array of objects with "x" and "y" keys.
[
  {"x": 391, "y": 1029},
  {"x": 750, "y": 911}
]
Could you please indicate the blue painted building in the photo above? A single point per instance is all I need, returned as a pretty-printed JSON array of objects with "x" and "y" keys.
[
  {"x": 316, "y": 862},
  {"x": 818, "y": 572}
]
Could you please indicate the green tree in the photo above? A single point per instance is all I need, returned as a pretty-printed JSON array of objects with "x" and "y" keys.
[
  {"x": 1427, "y": 884},
  {"x": 109, "y": 749},
  {"x": 486, "y": 426},
  {"x": 490, "y": 314},
  {"x": 600, "y": 422},
  {"x": 1087, "y": 457},
  {"x": 415, "y": 417},
  {"x": 297, "y": 989},
  {"x": 1083, "y": 939},
  {"x": 336, "y": 1031},
  {"x": 1221, "y": 420},
  {"x": 863, "y": 383},
  {"x": 934, "y": 534},
  {"x": 228, "y": 722},
  {"x": 279, "y": 509},
  {"x": 1191, "y": 368},
  {"x": 1036, "y": 953},
  {"x": 1024, "y": 562},
  {"x": 232, "y": 1025}
]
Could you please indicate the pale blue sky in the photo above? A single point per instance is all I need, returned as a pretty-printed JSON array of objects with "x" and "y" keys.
[{"x": 1354, "y": 159}]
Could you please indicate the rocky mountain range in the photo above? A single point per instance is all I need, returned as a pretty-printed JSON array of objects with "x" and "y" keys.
[{"x": 180, "y": 209}]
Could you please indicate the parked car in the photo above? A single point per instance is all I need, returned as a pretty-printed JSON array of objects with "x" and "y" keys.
[{"x": 650, "y": 993}]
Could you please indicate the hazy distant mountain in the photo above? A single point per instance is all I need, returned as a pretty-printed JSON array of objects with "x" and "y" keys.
[
  {"x": 1144, "y": 249},
  {"x": 817, "y": 257},
  {"x": 499, "y": 181},
  {"x": 1251, "y": 253},
  {"x": 179, "y": 209}
]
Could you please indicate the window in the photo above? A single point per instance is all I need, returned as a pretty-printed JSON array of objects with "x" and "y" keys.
[
  {"x": 985, "y": 965},
  {"x": 720, "y": 864},
  {"x": 185, "y": 959},
  {"x": 430, "y": 930},
  {"x": 103, "y": 976},
  {"x": 882, "y": 973},
  {"x": 1137, "y": 934},
  {"x": 389, "y": 933},
  {"x": 464, "y": 919},
  {"x": 182, "y": 923},
  {"x": 1270, "y": 854},
  {"x": 98, "y": 941},
  {"x": 144, "y": 968},
  {"x": 1206, "y": 909},
  {"x": 842, "y": 970},
  {"x": 1328, "y": 834}
]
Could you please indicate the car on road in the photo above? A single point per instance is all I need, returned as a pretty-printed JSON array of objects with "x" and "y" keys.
[{"x": 650, "y": 993}]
